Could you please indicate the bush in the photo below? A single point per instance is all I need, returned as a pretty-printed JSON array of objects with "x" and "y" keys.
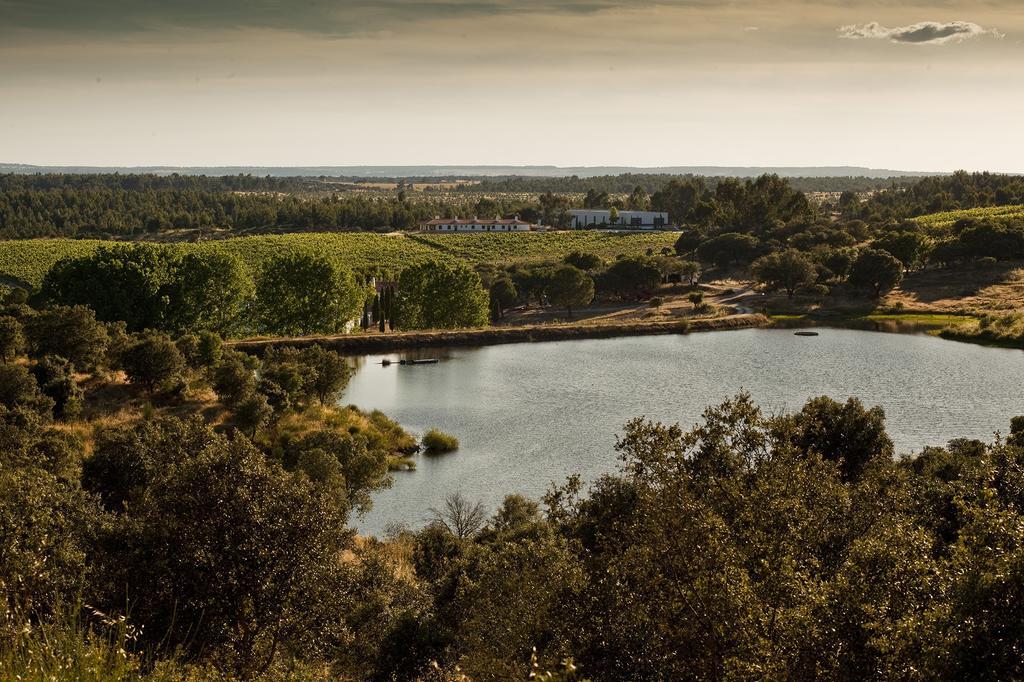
[
  {"x": 56, "y": 379},
  {"x": 655, "y": 302},
  {"x": 437, "y": 442}
]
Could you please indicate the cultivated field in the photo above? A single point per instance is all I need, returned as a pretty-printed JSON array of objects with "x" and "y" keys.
[
  {"x": 940, "y": 223},
  {"x": 29, "y": 260}
]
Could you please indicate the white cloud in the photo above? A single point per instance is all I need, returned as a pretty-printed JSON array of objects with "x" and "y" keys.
[{"x": 922, "y": 33}]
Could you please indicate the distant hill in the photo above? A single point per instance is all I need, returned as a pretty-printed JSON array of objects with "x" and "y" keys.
[{"x": 473, "y": 171}]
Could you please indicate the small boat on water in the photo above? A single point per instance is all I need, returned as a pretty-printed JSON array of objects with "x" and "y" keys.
[
  {"x": 424, "y": 361},
  {"x": 385, "y": 362},
  {"x": 805, "y": 334}
]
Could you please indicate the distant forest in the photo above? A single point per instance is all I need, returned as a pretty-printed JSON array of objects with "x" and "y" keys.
[
  {"x": 933, "y": 195},
  {"x": 115, "y": 205},
  {"x": 651, "y": 182}
]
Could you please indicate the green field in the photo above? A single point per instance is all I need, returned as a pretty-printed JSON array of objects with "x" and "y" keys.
[
  {"x": 29, "y": 260},
  {"x": 940, "y": 223},
  {"x": 535, "y": 246}
]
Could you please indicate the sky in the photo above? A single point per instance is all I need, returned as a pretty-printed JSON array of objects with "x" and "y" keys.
[{"x": 930, "y": 86}]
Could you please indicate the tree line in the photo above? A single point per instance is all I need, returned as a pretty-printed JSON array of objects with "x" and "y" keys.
[
  {"x": 625, "y": 183},
  {"x": 148, "y": 286}
]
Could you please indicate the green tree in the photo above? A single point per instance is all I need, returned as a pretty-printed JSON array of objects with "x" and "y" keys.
[
  {"x": 252, "y": 412},
  {"x": 788, "y": 270},
  {"x": 208, "y": 291},
  {"x": 570, "y": 288},
  {"x": 46, "y": 521},
  {"x": 909, "y": 248},
  {"x": 878, "y": 271},
  {"x": 503, "y": 295},
  {"x": 440, "y": 295},
  {"x": 838, "y": 262},
  {"x": 19, "y": 390},
  {"x": 236, "y": 580},
  {"x": 690, "y": 270},
  {"x": 56, "y": 379},
  {"x": 845, "y": 433},
  {"x": 234, "y": 377},
  {"x": 68, "y": 332},
  {"x": 304, "y": 294},
  {"x": 729, "y": 248},
  {"x": 630, "y": 277},
  {"x": 361, "y": 464},
  {"x": 329, "y": 373},
  {"x": 638, "y": 200},
  {"x": 121, "y": 282},
  {"x": 210, "y": 349},
  {"x": 12, "y": 338},
  {"x": 583, "y": 261},
  {"x": 153, "y": 361}
]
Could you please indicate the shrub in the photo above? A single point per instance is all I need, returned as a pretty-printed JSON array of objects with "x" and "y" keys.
[
  {"x": 437, "y": 442},
  {"x": 655, "y": 302},
  {"x": 56, "y": 379}
]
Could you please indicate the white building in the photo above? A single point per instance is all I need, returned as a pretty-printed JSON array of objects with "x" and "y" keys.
[
  {"x": 627, "y": 220},
  {"x": 476, "y": 225}
]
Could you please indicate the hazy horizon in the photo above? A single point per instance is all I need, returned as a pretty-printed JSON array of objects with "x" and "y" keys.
[{"x": 924, "y": 86}]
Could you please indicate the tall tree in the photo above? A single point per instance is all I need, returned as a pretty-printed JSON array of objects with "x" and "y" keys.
[
  {"x": 570, "y": 288},
  {"x": 788, "y": 270},
  {"x": 207, "y": 292},
  {"x": 878, "y": 271},
  {"x": 440, "y": 295},
  {"x": 306, "y": 294}
]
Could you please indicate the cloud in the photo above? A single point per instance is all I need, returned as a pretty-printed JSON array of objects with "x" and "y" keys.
[
  {"x": 923, "y": 33},
  {"x": 340, "y": 17}
]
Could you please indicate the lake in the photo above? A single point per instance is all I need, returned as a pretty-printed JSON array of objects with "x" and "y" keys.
[{"x": 530, "y": 414}]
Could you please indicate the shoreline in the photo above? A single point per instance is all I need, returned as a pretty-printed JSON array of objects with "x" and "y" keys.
[{"x": 359, "y": 344}]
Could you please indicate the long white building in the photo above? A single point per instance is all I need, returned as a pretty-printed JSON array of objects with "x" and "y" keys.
[
  {"x": 476, "y": 225},
  {"x": 633, "y": 220}
]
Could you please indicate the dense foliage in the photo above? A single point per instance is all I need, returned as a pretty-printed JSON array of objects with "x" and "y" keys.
[{"x": 792, "y": 546}]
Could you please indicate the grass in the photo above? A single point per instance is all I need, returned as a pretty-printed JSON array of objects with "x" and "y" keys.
[
  {"x": 996, "y": 330},
  {"x": 437, "y": 442},
  {"x": 76, "y": 644}
]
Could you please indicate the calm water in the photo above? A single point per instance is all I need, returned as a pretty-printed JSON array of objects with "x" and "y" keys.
[{"x": 530, "y": 414}]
